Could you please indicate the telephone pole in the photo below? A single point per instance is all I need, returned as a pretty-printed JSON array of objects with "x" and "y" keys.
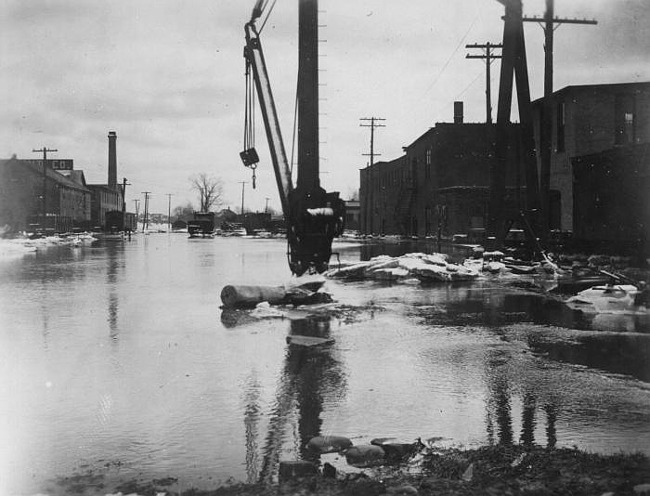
[
  {"x": 374, "y": 122},
  {"x": 145, "y": 222},
  {"x": 124, "y": 185},
  {"x": 169, "y": 212},
  {"x": 44, "y": 150},
  {"x": 548, "y": 24},
  {"x": 513, "y": 63},
  {"x": 489, "y": 56}
]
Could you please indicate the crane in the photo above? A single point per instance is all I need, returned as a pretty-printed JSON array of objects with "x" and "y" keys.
[{"x": 313, "y": 216}]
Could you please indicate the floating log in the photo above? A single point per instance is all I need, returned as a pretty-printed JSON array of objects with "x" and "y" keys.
[
  {"x": 250, "y": 296},
  {"x": 241, "y": 296}
]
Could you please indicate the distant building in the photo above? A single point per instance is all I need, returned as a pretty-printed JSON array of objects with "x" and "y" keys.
[
  {"x": 104, "y": 199},
  {"x": 352, "y": 215},
  {"x": 587, "y": 120},
  {"x": 108, "y": 199},
  {"x": 34, "y": 197}
]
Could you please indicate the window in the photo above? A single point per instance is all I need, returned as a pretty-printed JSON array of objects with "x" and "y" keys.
[
  {"x": 427, "y": 162},
  {"x": 561, "y": 124}
]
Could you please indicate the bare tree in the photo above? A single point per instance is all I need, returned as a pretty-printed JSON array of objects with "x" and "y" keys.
[{"x": 209, "y": 189}]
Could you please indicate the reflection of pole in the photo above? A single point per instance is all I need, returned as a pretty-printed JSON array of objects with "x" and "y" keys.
[
  {"x": 43, "y": 204},
  {"x": 528, "y": 420},
  {"x": 551, "y": 418},
  {"x": 251, "y": 419}
]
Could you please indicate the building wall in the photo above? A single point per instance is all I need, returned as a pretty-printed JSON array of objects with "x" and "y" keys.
[
  {"x": 613, "y": 218},
  {"x": 21, "y": 192},
  {"x": 407, "y": 193},
  {"x": 352, "y": 215},
  {"x": 594, "y": 121},
  {"x": 104, "y": 199},
  {"x": 385, "y": 192}
]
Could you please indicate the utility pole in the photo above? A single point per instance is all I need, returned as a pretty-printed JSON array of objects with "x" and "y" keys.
[
  {"x": 373, "y": 124},
  {"x": 548, "y": 24},
  {"x": 169, "y": 212},
  {"x": 44, "y": 150},
  {"x": 137, "y": 212},
  {"x": 513, "y": 62},
  {"x": 489, "y": 56},
  {"x": 145, "y": 222},
  {"x": 243, "y": 183},
  {"x": 124, "y": 185}
]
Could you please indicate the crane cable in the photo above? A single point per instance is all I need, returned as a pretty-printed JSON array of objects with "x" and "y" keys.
[
  {"x": 249, "y": 117},
  {"x": 267, "y": 15}
]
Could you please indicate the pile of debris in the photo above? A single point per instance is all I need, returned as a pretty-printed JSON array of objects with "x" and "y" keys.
[{"x": 412, "y": 266}]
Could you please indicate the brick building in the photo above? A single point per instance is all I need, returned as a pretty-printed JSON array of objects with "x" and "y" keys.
[
  {"x": 36, "y": 198},
  {"x": 587, "y": 120},
  {"x": 440, "y": 184},
  {"x": 611, "y": 191}
]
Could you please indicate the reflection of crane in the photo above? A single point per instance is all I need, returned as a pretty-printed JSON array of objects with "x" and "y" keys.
[
  {"x": 310, "y": 374},
  {"x": 314, "y": 217}
]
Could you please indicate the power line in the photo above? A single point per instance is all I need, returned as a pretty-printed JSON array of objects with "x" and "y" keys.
[{"x": 444, "y": 67}]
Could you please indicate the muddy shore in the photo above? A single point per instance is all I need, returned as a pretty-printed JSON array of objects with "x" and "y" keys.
[{"x": 492, "y": 470}]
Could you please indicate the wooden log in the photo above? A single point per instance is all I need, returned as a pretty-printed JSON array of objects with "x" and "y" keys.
[
  {"x": 302, "y": 292},
  {"x": 249, "y": 296}
]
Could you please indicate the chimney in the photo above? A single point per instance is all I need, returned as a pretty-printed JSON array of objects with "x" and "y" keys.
[
  {"x": 458, "y": 112},
  {"x": 112, "y": 160}
]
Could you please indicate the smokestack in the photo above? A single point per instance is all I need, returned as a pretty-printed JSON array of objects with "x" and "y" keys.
[
  {"x": 112, "y": 160},
  {"x": 458, "y": 112}
]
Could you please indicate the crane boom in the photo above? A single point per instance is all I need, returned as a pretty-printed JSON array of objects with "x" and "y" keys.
[
  {"x": 255, "y": 57},
  {"x": 313, "y": 216}
]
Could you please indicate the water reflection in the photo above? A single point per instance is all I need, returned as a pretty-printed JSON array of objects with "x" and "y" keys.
[
  {"x": 588, "y": 344},
  {"x": 617, "y": 353},
  {"x": 309, "y": 376},
  {"x": 113, "y": 257},
  {"x": 252, "y": 412},
  {"x": 498, "y": 403},
  {"x": 503, "y": 378}
]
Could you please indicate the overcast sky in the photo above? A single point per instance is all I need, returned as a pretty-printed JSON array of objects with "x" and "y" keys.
[{"x": 167, "y": 76}]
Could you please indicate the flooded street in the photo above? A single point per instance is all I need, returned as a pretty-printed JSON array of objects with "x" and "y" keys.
[{"x": 116, "y": 362}]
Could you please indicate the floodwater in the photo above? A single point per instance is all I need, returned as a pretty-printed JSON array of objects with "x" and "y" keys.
[{"x": 117, "y": 363}]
